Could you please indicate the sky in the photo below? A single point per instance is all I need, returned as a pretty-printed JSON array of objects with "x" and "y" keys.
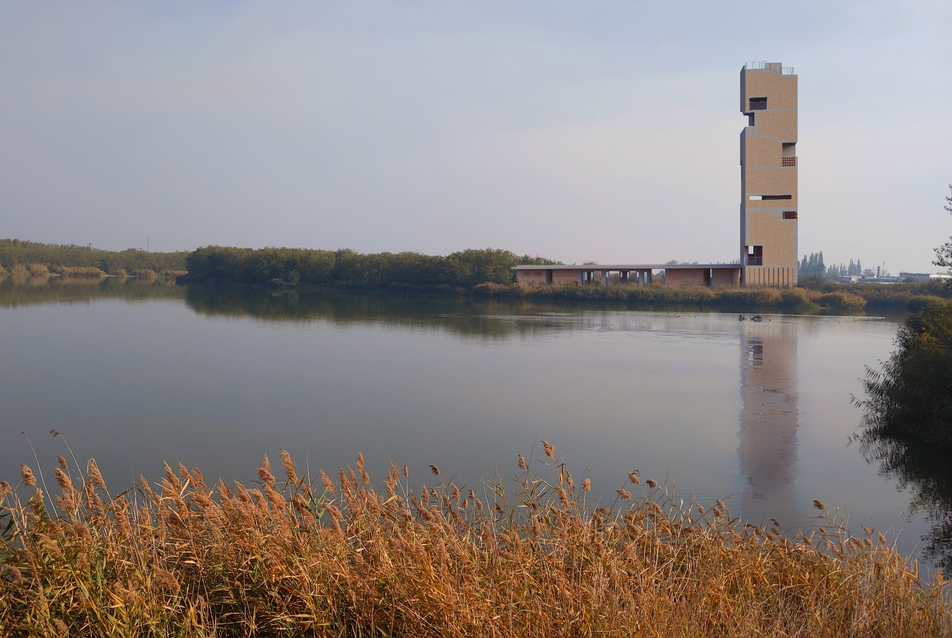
[{"x": 603, "y": 131}]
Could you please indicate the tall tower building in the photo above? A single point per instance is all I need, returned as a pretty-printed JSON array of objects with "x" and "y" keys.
[{"x": 768, "y": 161}]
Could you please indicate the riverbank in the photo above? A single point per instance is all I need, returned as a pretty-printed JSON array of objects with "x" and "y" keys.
[
  {"x": 828, "y": 297},
  {"x": 305, "y": 554},
  {"x": 35, "y": 256}
]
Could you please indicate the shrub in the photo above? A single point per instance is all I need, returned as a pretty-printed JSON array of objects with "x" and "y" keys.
[
  {"x": 750, "y": 297},
  {"x": 88, "y": 272},
  {"x": 842, "y": 301},
  {"x": 927, "y": 302},
  {"x": 38, "y": 270},
  {"x": 911, "y": 397},
  {"x": 144, "y": 273},
  {"x": 19, "y": 273},
  {"x": 799, "y": 300}
]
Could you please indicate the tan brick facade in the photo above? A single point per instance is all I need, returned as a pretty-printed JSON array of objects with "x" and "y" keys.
[
  {"x": 777, "y": 235},
  {"x": 693, "y": 277},
  {"x": 564, "y": 277},
  {"x": 770, "y": 276},
  {"x": 769, "y": 208},
  {"x": 780, "y": 89}
]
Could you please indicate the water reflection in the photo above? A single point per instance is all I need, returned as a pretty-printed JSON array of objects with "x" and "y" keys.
[
  {"x": 217, "y": 376},
  {"x": 54, "y": 290},
  {"x": 768, "y": 420},
  {"x": 460, "y": 316},
  {"x": 927, "y": 474}
]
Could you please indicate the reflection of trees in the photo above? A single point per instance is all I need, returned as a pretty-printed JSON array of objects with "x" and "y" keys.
[
  {"x": 456, "y": 315},
  {"x": 56, "y": 290},
  {"x": 926, "y": 472}
]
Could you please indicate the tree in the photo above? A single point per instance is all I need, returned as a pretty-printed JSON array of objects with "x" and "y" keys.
[{"x": 943, "y": 254}]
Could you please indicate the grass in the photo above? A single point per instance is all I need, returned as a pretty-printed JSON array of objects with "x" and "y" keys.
[
  {"x": 802, "y": 300},
  {"x": 305, "y": 555},
  {"x": 814, "y": 296}
]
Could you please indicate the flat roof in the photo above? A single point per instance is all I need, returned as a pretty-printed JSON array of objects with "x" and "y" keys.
[{"x": 630, "y": 267}]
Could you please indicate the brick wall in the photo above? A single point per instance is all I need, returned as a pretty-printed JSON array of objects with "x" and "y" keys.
[
  {"x": 777, "y": 236},
  {"x": 780, "y": 89}
]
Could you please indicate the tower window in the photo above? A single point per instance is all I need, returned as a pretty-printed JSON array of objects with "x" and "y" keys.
[
  {"x": 755, "y": 255},
  {"x": 758, "y": 103},
  {"x": 789, "y": 214},
  {"x": 770, "y": 197}
]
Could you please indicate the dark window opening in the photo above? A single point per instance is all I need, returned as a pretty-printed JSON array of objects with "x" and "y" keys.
[
  {"x": 778, "y": 196},
  {"x": 789, "y": 214},
  {"x": 755, "y": 255},
  {"x": 758, "y": 103},
  {"x": 750, "y": 120}
]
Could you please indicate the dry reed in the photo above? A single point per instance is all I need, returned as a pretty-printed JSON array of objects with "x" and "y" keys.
[
  {"x": 81, "y": 272},
  {"x": 292, "y": 556}
]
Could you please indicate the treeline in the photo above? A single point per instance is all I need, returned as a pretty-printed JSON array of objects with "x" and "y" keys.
[
  {"x": 812, "y": 266},
  {"x": 293, "y": 266},
  {"x": 58, "y": 256}
]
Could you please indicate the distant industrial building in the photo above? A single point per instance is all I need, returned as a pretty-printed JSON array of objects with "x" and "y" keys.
[
  {"x": 924, "y": 276},
  {"x": 768, "y": 209}
]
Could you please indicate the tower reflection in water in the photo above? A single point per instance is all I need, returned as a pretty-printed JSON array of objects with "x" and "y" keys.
[{"x": 768, "y": 421}]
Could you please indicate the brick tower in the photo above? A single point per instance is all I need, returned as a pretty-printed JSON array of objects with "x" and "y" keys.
[{"x": 768, "y": 161}]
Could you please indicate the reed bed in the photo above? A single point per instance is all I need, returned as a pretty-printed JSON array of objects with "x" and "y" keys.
[
  {"x": 146, "y": 274},
  {"x": 81, "y": 272},
  {"x": 753, "y": 298},
  {"x": 307, "y": 555},
  {"x": 38, "y": 271}
]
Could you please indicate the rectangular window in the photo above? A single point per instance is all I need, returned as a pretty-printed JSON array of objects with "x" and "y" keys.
[
  {"x": 771, "y": 197},
  {"x": 755, "y": 255},
  {"x": 789, "y": 214},
  {"x": 750, "y": 120},
  {"x": 758, "y": 103}
]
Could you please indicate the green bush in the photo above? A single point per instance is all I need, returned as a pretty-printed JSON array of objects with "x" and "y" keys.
[
  {"x": 911, "y": 398},
  {"x": 842, "y": 301},
  {"x": 799, "y": 300},
  {"x": 923, "y": 302}
]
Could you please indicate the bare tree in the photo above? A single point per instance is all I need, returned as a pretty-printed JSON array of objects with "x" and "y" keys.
[{"x": 943, "y": 254}]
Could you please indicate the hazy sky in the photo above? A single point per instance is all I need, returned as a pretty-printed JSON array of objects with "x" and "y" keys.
[{"x": 603, "y": 131}]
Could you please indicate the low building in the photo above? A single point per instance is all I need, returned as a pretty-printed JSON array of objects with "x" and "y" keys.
[
  {"x": 924, "y": 276},
  {"x": 716, "y": 275}
]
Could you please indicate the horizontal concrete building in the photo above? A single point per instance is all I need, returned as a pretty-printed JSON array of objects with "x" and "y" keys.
[{"x": 698, "y": 274}]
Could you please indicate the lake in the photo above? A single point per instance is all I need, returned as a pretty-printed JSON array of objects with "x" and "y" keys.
[{"x": 711, "y": 405}]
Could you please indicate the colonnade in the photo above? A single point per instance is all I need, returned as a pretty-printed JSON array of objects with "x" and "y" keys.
[{"x": 624, "y": 276}]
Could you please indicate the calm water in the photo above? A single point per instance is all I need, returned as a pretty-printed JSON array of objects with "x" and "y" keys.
[{"x": 755, "y": 413}]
